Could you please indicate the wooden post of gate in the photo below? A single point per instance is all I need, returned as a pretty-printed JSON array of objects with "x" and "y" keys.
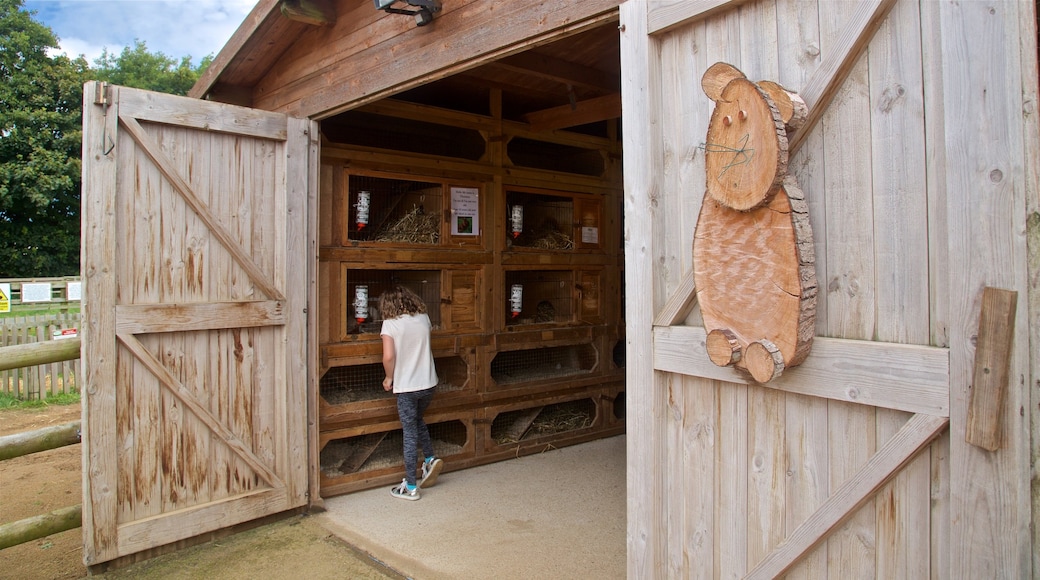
[{"x": 992, "y": 366}]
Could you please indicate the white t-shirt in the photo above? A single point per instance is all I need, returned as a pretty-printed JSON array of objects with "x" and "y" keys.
[{"x": 414, "y": 369}]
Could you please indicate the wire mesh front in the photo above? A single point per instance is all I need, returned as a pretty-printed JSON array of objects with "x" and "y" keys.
[
  {"x": 524, "y": 424},
  {"x": 384, "y": 450},
  {"x": 545, "y": 222},
  {"x": 518, "y": 366},
  {"x": 539, "y": 297},
  {"x": 364, "y": 287},
  {"x": 353, "y": 384},
  {"x": 394, "y": 210}
]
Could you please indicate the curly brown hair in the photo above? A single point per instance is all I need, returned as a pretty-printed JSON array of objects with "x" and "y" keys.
[{"x": 399, "y": 301}]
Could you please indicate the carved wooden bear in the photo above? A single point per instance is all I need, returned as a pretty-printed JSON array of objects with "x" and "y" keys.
[{"x": 753, "y": 260}]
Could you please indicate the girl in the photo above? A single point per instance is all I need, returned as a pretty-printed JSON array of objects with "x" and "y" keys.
[{"x": 410, "y": 373}]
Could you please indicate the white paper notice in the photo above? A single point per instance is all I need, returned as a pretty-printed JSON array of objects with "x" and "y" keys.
[
  {"x": 465, "y": 211},
  {"x": 36, "y": 292},
  {"x": 589, "y": 235}
]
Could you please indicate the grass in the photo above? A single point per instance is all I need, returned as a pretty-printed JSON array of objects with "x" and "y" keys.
[
  {"x": 8, "y": 401},
  {"x": 43, "y": 308}
]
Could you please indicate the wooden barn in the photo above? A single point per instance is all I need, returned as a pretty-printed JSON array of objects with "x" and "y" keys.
[{"x": 790, "y": 247}]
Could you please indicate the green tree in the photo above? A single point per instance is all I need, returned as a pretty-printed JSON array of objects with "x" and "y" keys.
[
  {"x": 136, "y": 67},
  {"x": 40, "y": 134}
]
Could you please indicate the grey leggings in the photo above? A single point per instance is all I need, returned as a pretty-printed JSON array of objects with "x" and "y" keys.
[{"x": 410, "y": 408}]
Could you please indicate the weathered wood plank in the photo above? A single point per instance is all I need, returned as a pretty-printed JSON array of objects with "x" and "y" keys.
[
  {"x": 882, "y": 466},
  {"x": 144, "y": 106},
  {"x": 646, "y": 392},
  {"x": 681, "y": 303},
  {"x": 989, "y": 385},
  {"x": 663, "y": 15},
  {"x": 911, "y": 378},
  {"x": 178, "y": 390},
  {"x": 148, "y": 318},
  {"x": 900, "y": 207},
  {"x": 986, "y": 205},
  {"x": 838, "y": 63},
  {"x": 365, "y": 72},
  {"x": 154, "y": 152},
  {"x": 98, "y": 212}
]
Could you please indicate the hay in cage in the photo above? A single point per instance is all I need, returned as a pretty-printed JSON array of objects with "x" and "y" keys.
[
  {"x": 516, "y": 426},
  {"x": 554, "y": 241},
  {"x": 414, "y": 227},
  {"x": 558, "y": 419}
]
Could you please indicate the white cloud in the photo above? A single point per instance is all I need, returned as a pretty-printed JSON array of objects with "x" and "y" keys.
[{"x": 175, "y": 28}]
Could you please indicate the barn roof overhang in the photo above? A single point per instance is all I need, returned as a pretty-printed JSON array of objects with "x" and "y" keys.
[{"x": 556, "y": 66}]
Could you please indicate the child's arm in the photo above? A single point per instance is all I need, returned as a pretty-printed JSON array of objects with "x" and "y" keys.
[{"x": 389, "y": 361}]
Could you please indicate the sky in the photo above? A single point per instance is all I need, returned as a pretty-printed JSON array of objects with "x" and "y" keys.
[{"x": 176, "y": 28}]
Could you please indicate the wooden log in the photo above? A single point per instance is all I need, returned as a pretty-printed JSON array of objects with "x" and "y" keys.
[
  {"x": 38, "y": 353},
  {"x": 992, "y": 366},
  {"x": 20, "y": 444},
  {"x": 29, "y": 529}
]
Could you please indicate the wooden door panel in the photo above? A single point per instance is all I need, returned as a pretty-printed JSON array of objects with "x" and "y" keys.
[{"x": 195, "y": 239}]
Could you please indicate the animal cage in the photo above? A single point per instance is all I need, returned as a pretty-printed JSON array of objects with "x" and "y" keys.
[
  {"x": 539, "y": 297},
  {"x": 519, "y": 366},
  {"x": 364, "y": 287},
  {"x": 540, "y": 221},
  {"x": 398, "y": 211},
  {"x": 372, "y": 453},
  {"x": 525, "y": 424},
  {"x": 357, "y": 383}
]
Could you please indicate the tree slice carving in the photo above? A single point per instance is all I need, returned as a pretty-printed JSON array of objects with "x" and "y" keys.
[
  {"x": 754, "y": 265},
  {"x": 745, "y": 151}
]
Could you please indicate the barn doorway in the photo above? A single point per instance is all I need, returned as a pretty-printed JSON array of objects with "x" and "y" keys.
[{"x": 495, "y": 194}]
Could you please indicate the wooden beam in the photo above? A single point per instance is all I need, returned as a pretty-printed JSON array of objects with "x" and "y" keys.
[
  {"x": 201, "y": 412},
  {"x": 680, "y": 304},
  {"x": 833, "y": 71},
  {"x": 905, "y": 377},
  {"x": 315, "y": 12},
  {"x": 245, "y": 31},
  {"x": 989, "y": 385},
  {"x": 148, "y": 318},
  {"x": 587, "y": 111},
  {"x": 918, "y": 432},
  {"x": 664, "y": 15},
  {"x": 553, "y": 69},
  {"x": 166, "y": 167}
]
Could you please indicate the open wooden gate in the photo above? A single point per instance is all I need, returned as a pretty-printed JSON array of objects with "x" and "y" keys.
[
  {"x": 196, "y": 244},
  {"x": 856, "y": 463}
]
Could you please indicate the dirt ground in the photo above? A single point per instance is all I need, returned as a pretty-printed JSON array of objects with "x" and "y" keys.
[{"x": 39, "y": 483}]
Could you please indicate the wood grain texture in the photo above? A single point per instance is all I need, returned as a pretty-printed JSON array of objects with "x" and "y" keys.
[
  {"x": 745, "y": 150},
  {"x": 989, "y": 385},
  {"x": 882, "y": 466},
  {"x": 207, "y": 407},
  {"x": 754, "y": 273},
  {"x": 840, "y": 370}
]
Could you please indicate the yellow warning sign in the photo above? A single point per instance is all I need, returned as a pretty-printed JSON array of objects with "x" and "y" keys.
[{"x": 5, "y": 297}]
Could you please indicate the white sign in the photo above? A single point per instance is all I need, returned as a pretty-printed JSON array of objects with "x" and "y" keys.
[
  {"x": 465, "y": 211},
  {"x": 589, "y": 235},
  {"x": 36, "y": 292},
  {"x": 74, "y": 291},
  {"x": 65, "y": 333}
]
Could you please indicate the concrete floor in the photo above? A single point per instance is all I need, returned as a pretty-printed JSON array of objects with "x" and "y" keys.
[{"x": 558, "y": 514}]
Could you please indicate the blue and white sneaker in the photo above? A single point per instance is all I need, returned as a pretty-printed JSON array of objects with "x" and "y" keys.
[{"x": 431, "y": 468}]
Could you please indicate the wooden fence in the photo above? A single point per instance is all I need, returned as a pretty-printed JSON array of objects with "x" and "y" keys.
[{"x": 45, "y": 380}]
